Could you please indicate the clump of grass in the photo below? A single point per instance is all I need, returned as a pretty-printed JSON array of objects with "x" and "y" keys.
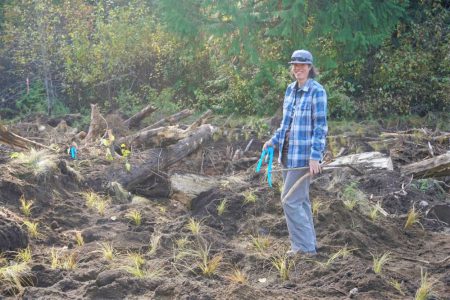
[
  {"x": 425, "y": 288},
  {"x": 54, "y": 259},
  {"x": 101, "y": 206},
  {"x": 24, "y": 255},
  {"x": 25, "y": 206},
  {"x": 413, "y": 218},
  {"x": 194, "y": 226},
  {"x": 154, "y": 243},
  {"x": 107, "y": 250},
  {"x": 40, "y": 162},
  {"x": 181, "y": 245},
  {"x": 134, "y": 216},
  {"x": 283, "y": 265},
  {"x": 91, "y": 199},
  {"x": 238, "y": 276},
  {"x": 374, "y": 212},
  {"x": 260, "y": 243},
  {"x": 16, "y": 276},
  {"x": 397, "y": 285},
  {"x": 32, "y": 228},
  {"x": 79, "y": 238},
  {"x": 316, "y": 206},
  {"x": 343, "y": 252},
  {"x": 208, "y": 265},
  {"x": 137, "y": 259},
  {"x": 70, "y": 261},
  {"x": 249, "y": 197},
  {"x": 221, "y": 208},
  {"x": 380, "y": 261}
]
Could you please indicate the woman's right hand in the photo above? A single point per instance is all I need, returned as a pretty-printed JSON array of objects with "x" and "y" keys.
[{"x": 267, "y": 145}]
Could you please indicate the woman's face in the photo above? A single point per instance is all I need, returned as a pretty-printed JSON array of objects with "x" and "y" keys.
[{"x": 301, "y": 71}]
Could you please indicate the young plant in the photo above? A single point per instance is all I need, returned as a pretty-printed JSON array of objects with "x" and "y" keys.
[
  {"x": 54, "y": 259},
  {"x": 194, "y": 226},
  {"x": 316, "y": 205},
  {"x": 40, "y": 163},
  {"x": 32, "y": 228},
  {"x": 79, "y": 238},
  {"x": 91, "y": 199},
  {"x": 101, "y": 206},
  {"x": 283, "y": 265},
  {"x": 208, "y": 265},
  {"x": 426, "y": 285},
  {"x": 137, "y": 259},
  {"x": 70, "y": 261},
  {"x": 25, "y": 206},
  {"x": 412, "y": 218},
  {"x": 343, "y": 252},
  {"x": 260, "y": 243},
  {"x": 397, "y": 285},
  {"x": 24, "y": 255},
  {"x": 249, "y": 197},
  {"x": 108, "y": 251},
  {"x": 221, "y": 208},
  {"x": 238, "y": 276},
  {"x": 135, "y": 216},
  {"x": 380, "y": 261},
  {"x": 351, "y": 195}
]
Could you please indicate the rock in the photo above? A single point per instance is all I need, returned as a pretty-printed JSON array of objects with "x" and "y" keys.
[
  {"x": 109, "y": 276},
  {"x": 423, "y": 204},
  {"x": 353, "y": 292}
]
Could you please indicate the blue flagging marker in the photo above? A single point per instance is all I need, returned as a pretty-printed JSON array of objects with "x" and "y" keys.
[
  {"x": 266, "y": 152},
  {"x": 73, "y": 152}
]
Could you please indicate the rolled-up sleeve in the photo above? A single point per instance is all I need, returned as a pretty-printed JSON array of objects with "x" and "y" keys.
[{"x": 319, "y": 124}]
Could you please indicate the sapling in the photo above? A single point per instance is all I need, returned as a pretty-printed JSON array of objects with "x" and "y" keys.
[
  {"x": 222, "y": 207},
  {"x": 25, "y": 206},
  {"x": 380, "y": 261},
  {"x": 135, "y": 216}
]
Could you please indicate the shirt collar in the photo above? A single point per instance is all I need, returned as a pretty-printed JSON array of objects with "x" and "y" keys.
[{"x": 305, "y": 87}]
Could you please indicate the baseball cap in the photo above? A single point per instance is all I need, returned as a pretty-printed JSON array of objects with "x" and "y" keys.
[{"x": 301, "y": 57}]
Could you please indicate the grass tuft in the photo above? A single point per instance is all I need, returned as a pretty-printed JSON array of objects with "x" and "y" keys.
[
  {"x": 283, "y": 265},
  {"x": 24, "y": 255},
  {"x": 108, "y": 251},
  {"x": 316, "y": 206},
  {"x": 222, "y": 207},
  {"x": 54, "y": 259},
  {"x": 154, "y": 243},
  {"x": 25, "y": 206},
  {"x": 32, "y": 228},
  {"x": 70, "y": 261},
  {"x": 380, "y": 261},
  {"x": 351, "y": 195},
  {"x": 79, "y": 238},
  {"x": 425, "y": 288},
  {"x": 16, "y": 275},
  {"x": 412, "y": 218},
  {"x": 260, "y": 243},
  {"x": 41, "y": 163},
  {"x": 238, "y": 276},
  {"x": 397, "y": 285},
  {"x": 134, "y": 216},
  {"x": 249, "y": 197},
  {"x": 194, "y": 226}
]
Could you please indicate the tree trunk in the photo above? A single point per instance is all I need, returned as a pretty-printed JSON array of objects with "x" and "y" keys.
[
  {"x": 12, "y": 139},
  {"x": 135, "y": 120},
  {"x": 162, "y": 158},
  {"x": 97, "y": 126},
  {"x": 433, "y": 167}
]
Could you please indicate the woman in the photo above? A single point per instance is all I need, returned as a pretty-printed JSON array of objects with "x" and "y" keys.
[{"x": 301, "y": 143}]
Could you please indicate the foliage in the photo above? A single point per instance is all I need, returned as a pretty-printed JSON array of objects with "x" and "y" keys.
[
  {"x": 380, "y": 261},
  {"x": 425, "y": 288},
  {"x": 25, "y": 206}
]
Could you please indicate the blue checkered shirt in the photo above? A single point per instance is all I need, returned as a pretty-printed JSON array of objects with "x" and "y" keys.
[{"x": 308, "y": 124}]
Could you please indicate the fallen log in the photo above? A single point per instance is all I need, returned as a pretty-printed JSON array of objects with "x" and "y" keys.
[
  {"x": 159, "y": 159},
  {"x": 136, "y": 119},
  {"x": 434, "y": 167},
  {"x": 375, "y": 160},
  {"x": 170, "y": 119},
  {"x": 13, "y": 139},
  {"x": 69, "y": 119}
]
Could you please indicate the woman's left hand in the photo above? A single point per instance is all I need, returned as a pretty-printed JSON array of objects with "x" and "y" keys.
[{"x": 314, "y": 167}]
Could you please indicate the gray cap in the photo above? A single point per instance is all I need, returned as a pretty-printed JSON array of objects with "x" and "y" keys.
[{"x": 301, "y": 57}]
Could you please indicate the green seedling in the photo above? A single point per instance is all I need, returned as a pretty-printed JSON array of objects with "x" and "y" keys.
[
  {"x": 283, "y": 265},
  {"x": 249, "y": 197},
  {"x": 108, "y": 251},
  {"x": 70, "y": 262},
  {"x": 54, "y": 259},
  {"x": 221, "y": 208},
  {"x": 412, "y": 218},
  {"x": 425, "y": 288},
  {"x": 194, "y": 226},
  {"x": 397, "y": 285},
  {"x": 316, "y": 206},
  {"x": 208, "y": 265},
  {"x": 16, "y": 275},
  {"x": 380, "y": 261},
  {"x": 135, "y": 216},
  {"x": 260, "y": 243},
  {"x": 154, "y": 243},
  {"x": 137, "y": 259},
  {"x": 91, "y": 198},
  {"x": 24, "y": 255},
  {"x": 101, "y": 206},
  {"x": 25, "y": 206},
  {"x": 32, "y": 228}
]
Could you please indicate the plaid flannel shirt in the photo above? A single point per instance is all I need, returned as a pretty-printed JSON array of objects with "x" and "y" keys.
[{"x": 309, "y": 128}]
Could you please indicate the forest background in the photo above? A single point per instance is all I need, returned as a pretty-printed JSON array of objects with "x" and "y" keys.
[{"x": 376, "y": 58}]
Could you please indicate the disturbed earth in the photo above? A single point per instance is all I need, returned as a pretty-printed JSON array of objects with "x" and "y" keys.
[{"x": 226, "y": 242}]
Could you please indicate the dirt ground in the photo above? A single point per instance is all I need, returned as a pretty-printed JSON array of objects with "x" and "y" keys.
[{"x": 253, "y": 212}]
